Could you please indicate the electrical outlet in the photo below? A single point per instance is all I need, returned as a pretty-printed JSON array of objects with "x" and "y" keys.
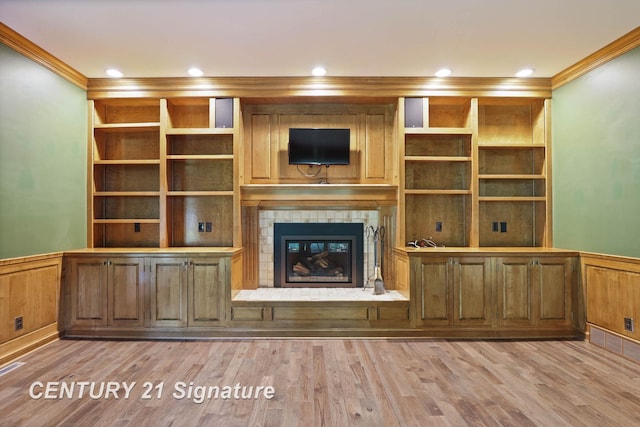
[
  {"x": 438, "y": 226},
  {"x": 18, "y": 323},
  {"x": 503, "y": 227},
  {"x": 628, "y": 324},
  {"x": 136, "y": 227},
  {"x": 208, "y": 227},
  {"x": 201, "y": 227},
  {"x": 496, "y": 226}
]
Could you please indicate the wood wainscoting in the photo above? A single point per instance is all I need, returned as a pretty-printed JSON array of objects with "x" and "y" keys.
[
  {"x": 612, "y": 288},
  {"x": 29, "y": 289}
]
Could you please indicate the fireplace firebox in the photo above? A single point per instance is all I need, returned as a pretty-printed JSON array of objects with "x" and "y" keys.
[{"x": 313, "y": 255}]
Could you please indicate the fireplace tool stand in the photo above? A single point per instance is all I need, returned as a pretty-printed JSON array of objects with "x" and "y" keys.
[{"x": 377, "y": 235}]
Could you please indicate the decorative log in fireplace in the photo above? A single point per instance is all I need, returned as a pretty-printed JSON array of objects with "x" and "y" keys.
[
  {"x": 318, "y": 264},
  {"x": 318, "y": 255}
]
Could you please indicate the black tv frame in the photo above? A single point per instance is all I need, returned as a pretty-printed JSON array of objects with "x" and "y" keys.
[{"x": 319, "y": 146}]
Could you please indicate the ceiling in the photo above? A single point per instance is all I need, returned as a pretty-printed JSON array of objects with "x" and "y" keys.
[{"x": 381, "y": 38}]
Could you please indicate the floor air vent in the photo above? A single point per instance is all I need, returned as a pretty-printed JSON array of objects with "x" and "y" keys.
[{"x": 10, "y": 367}]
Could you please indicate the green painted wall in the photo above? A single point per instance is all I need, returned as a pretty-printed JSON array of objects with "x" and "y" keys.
[
  {"x": 596, "y": 159},
  {"x": 43, "y": 148}
]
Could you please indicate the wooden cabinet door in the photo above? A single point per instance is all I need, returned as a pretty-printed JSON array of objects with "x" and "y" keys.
[
  {"x": 552, "y": 280},
  {"x": 514, "y": 291},
  {"x": 88, "y": 289},
  {"x": 433, "y": 284},
  {"x": 126, "y": 291},
  {"x": 168, "y": 292},
  {"x": 209, "y": 280},
  {"x": 473, "y": 304}
]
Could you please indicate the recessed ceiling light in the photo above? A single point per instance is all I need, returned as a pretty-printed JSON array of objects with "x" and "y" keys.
[
  {"x": 195, "y": 72},
  {"x": 443, "y": 72},
  {"x": 112, "y": 72},
  {"x": 319, "y": 71},
  {"x": 525, "y": 72}
]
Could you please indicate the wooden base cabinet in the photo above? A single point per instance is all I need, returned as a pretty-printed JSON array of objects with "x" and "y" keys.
[
  {"x": 493, "y": 292},
  {"x": 535, "y": 291},
  {"x": 107, "y": 291},
  {"x": 148, "y": 292},
  {"x": 452, "y": 291},
  {"x": 187, "y": 291}
]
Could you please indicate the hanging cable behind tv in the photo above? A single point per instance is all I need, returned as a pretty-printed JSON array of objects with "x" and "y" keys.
[{"x": 316, "y": 173}]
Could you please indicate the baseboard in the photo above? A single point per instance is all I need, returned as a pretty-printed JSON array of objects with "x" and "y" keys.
[
  {"x": 615, "y": 343},
  {"x": 23, "y": 344}
]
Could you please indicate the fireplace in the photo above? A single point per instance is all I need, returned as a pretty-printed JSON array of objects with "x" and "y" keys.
[{"x": 318, "y": 255}]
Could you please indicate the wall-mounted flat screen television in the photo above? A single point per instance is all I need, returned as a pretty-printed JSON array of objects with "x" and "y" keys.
[{"x": 318, "y": 146}]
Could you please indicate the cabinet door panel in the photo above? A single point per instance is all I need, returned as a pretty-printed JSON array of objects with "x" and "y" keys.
[
  {"x": 514, "y": 287},
  {"x": 376, "y": 160},
  {"x": 127, "y": 293},
  {"x": 434, "y": 291},
  {"x": 88, "y": 292},
  {"x": 261, "y": 147},
  {"x": 553, "y": 277},
  {"x": 472, "y": 291},
  {"x": 552, "y": 292},
  {"x": 168, "y": 292},
  {"x": 207, "y": 291}
]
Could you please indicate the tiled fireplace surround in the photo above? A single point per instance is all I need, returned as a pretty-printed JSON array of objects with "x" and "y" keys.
[{"x": 268, "y": 217}]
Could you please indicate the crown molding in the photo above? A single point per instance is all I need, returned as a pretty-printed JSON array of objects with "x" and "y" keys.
[
  {"x": 617, "y": 48},
  {"x": 362, "y": 87},
  {"x": 337, "y": 87},
  {"x": 30, "y": 50}
]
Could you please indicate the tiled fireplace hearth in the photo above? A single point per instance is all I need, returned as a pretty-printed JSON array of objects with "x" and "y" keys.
[{"x": 267, "y": 219}]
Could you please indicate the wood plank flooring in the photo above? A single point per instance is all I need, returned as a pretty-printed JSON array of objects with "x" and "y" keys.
[{"x": 324, "y": 382}]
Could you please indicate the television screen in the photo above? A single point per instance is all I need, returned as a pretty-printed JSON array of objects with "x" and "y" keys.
[{"x": 312, "y": 146}]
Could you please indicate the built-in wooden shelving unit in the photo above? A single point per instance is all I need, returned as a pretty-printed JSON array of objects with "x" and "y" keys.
[
  {"x": 163, "y": 172},
  {"x": 475, "y": 171}
]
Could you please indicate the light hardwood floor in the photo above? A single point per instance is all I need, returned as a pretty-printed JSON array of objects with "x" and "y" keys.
[{"x": 330, "y": 382}]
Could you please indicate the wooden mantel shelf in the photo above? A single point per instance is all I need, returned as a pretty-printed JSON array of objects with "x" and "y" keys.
[{"x": 320, "y": 195}]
